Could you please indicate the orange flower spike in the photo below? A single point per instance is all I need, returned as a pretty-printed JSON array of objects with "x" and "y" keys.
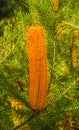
[{"x": 37, "y": 67}]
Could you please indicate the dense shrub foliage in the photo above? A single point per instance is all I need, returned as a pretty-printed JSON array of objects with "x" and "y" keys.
[{"x": 60, "y": 21}]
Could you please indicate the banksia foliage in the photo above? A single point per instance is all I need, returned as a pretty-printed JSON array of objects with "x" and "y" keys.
[
  {"x": 59, "y": 30},
  {"x": 75, "y": 49},
  {"x": 56, "y": 5},
  {"x": 37, "y": 67},
  {"x": 16, "y": 105}
]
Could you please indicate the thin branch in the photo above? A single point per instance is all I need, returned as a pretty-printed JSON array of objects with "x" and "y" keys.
[
  {"x": 12, "y": 47},
  {"x": 70, "y": 98},
  {"x": 63, "y": 9},
  {"x": 70, "y": 24},
  {"x": 8, "y": 54},
  {"x": 54, "y": 57},
  {"x": 67, "y": 89},
  {"x": 75, "y": 108}
]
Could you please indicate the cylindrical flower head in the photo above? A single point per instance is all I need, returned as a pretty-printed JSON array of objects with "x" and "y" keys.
[{"x": 37, "y": 67}]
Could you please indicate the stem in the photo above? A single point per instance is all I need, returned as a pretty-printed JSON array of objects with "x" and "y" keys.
[
  {"x": 70, "y": 24},
  {"x": 54, "y": 57}
]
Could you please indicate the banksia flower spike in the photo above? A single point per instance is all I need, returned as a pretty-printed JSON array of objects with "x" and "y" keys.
[{"x": 37, "y": 67}]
